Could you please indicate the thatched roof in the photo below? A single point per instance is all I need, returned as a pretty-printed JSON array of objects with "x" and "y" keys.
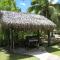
[{"x": 25, "y": 20}]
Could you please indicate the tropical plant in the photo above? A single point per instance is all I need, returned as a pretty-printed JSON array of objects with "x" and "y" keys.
[
  {"x": 41, "y": 7},
  {"x": 8, "y": 5}
]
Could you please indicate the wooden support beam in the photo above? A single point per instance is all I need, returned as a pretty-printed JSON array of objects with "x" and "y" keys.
[
  {"x": 13, "y": 41},
  {"x": 38, "y": 34},
  {"x": 39, "y": 40},
  {"x": 52, "y": 34},
  {"x": 10, "y": 40},
  {"x": 49, "y": 38}
]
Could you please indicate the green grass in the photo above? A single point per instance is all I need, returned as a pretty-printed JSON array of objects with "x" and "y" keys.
[
  {"x": 54, "y": 49},
  {"x": 6, "y": 56}
]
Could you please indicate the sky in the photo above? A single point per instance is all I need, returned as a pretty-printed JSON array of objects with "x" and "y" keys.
[
  {"x": 54, "y": 1},
  {"x": 25, "y": 4}
]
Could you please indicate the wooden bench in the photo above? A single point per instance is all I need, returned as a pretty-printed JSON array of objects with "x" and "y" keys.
[{"x": 31, "y": 41}]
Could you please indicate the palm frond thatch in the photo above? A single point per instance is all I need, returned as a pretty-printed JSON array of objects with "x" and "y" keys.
[{"x": 25, "y": 20}]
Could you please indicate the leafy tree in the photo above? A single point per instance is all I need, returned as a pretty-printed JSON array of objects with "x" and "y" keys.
[
  {"x": 41, "y": 7},
  {"x": 8, "y": 5}
]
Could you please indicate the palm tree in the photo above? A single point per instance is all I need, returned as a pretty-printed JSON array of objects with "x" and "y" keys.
[
  {"x": 42, "y": 7},
  {"x": 13, "y": 5}
]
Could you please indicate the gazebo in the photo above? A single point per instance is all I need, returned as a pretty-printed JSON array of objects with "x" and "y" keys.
[{"x": 24, "y": 21}]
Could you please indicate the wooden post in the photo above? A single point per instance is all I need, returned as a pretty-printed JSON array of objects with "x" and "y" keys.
[
  {"x": 52, "y": 34},
  {"x": 10, "y": 39},
  {"x": 38, "y": 34},
  {"x": 13, "y": 41},
  {"x": 39, "y": 39},
  {"x": 7, "y": 35},
  {"x": 49, "y": 38}
]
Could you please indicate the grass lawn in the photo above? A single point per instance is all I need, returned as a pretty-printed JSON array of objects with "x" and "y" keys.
[
  {"x": 54, "y": 49},
  {"x": 6, "y": 56}
]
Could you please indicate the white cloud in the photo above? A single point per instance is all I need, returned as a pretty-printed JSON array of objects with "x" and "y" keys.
[
  {"x": 53, "y": 1},
  {"x": 22, "y": 4}
]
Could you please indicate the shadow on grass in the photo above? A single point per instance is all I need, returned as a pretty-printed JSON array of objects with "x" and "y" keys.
[
  {"x": 18, "y": 56},
  {"x": 13, "y": 56},
  {"x": 53, "y": 48}
]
